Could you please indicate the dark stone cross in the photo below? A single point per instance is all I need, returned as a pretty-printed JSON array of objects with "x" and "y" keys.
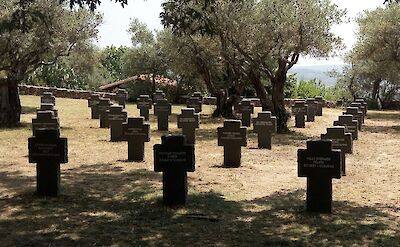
[
  {"x": 319, "y": 163},
  {"x": 198, "y": 95},
  {"x": 144, "y": 104},
  {"x": 93, "y": 103},
  {"x": 48, "y": 98},
  {"x": 194, "y": 102},
  {"x": 159, "y": 94},
  {"x": 162, "y": 109},
  {"x": 116, "y": 117},
  {"x": 320, "y": 105},
  {"x": 364, "y": 103},
  {"x": 356, "y": 113},
  {"x": 246, "y": 108},
  {"x": 189, "y": 121},
  {"x": 361, "y": 108},
  {"x": 232, "y": 136},
  {"x": 136, "y": 132},
  {"x": 44, "y": 120},
  {"x": 340, "y": 140},
  {"x": 264, "y": 125},
  {"x": 311, "y": 109},
  {"x": 104, "y": 106},
  {"x": 48, "y": 150},
  {"x": 174, "y": 158},
  {"x": 122, "y": 96},
  {"x": 350, "y": 125},
  {"x": 299, "y": 110},
  {"x": 48, "y": 107}
]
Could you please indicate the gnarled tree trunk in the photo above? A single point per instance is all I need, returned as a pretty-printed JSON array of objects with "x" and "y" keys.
[
  {"x": 278, "y": 100},
  {"x": 255, "y": 79},
  {"x": 10, "y": 105}
]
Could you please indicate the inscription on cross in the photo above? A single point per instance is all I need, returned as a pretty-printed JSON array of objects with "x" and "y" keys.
[
  {"x": 299, "y": 110},
  {"x": 195, "y": 103},
  {"x": 116, "y": 117},
  {"x": 144, "y": 104},
  {"x": 232, "y": 136},
  {"x": 189, "y": 121},
  {"x": 136, "y": 132},
  {"x": 162, "y": 109},
  {"x": 174, "y": 158},
  {"x": 340, "y": 140},
  {"x": 104, "y": 106},
  {"x": 93, "y": 103},
  {"x": 48, "y": 150},
  {"x": 319, "y": 163},
  {"x": 264, "y": 125},
  {"x": 350, "y": 125},
  {"x": 246, "y": 108},
  {"x": 48, "y": 98},
  {"x": 44, "y": 120},
  {"x": 356, "y": 113},
  {"x": 122, "y": 96}
]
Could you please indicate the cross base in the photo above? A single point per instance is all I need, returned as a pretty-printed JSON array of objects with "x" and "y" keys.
[
  {"x": 232, "y": 156},
  {"x": 135, "y": 151},
  {"x": 95, "y": 112},
  {"x": 319, "y": 194},
  {"x": 300, "y": 121},
  {"x": 162, "y": 123},
  {"x": 144, "y": 113},
  {"x": 264, "y": 140},
  {"x": 48, "y": 179},
  {"x": 175, "y": 187}
]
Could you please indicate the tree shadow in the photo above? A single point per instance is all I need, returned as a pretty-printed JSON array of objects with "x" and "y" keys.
[
  {"x": 382, "y": 129},
  {"x": 102, "y": 204},
  {"x": 291, "y": 137},
  {"x": 28, "y": 109},
  {"x": 383, "y": 116}
]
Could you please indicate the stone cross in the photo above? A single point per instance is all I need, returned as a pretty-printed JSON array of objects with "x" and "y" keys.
[
  {"x": 48, "y": 150},
  {"x": 48, "y": 98},
  {"x": 159, "y": 94},
  {"x": 246, "y": 108},
  {"x": 162, "y": 109},
  {"x": 194, "y": 102},
  {"x": 104, "y": 106},
  {"x": 93, "y": 103},
  {"x": 136, "y": 132},
  {"x": 319, "y": 163},
  {"x": 311, "y": 109},
  {"x": 300, "y": 111},
  {"x": 320, "y": 105},
  {"x": 364, "y": 103},
  {"x": 198, "y": 95},
  {"x": 116, "y": 117},
  {"x": 144, "y": 104},
  {"x": 189, "y": 121},
  {"x": 350, "y": 125},
  {"x": 44, "y": 120},
  {"x": 122, "y": 96},
  {"x": 48, "y": 107},
  {"x": 264, "y": 125},
  {"x": 356, "y": 113},
  {"x": 340, "y": 140},
  {"x": 174, "y": 158},
  {"x": 232, "y": 136},
  {"x": 360, "y": 107}
]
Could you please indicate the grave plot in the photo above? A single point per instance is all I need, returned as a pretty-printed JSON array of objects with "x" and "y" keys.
[
  {"x": 136, "y": 132},
  {"x": 232, "y": 137},
  {"x": 144, "y": 104},
  {"x": 299, "y": 110},
  {"x": 264, "y": 125},
  {"x": 162, "y": 109},
  {"x": 189, "y": 121}
]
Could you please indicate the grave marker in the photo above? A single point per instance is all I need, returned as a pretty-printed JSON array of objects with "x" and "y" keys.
[
  {"x": 311, "y": 109},
  {"x": 319, "y": 163},
  {"x": 144, "y": 104},
  {"x": 93, "y": 103},
  {"x": 44, "y": 120},
  {"x": 48, "y": 98},
  {"x": 365, "y": 104},
  {"x": 122, "y": 96},
  {"x": 116, "y": 117},
  {"x": 48, "y": 107},
  {"x": 189, "y": 121},
  {"x": 195, "y": 103},
  {"x": 350, "y": 125},
  {"x": 198, "y": 95},
  {"x": 136, "y": 132},
  {"x": 159, "y": 94},
  {"x": 104, "y": 106},
  {"x": 340, "y": 140},
  {"x": 48, "y": 150},
  {"x": 232, "y": 136},
  {"x": 264, "y": 125},
  {"x": 320, "y": 105},
  {"x": 174, "y": 158},
  {"x": 162, "y": 109},
  {"x": 360, "y": 107},
  {"x": 246, "y": 108},
  {"x": 356, "y": 113},
  {"x": 300, "y": 111}
]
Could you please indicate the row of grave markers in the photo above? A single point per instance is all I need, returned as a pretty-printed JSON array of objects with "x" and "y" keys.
[
  {"x": 325, "y": 159},
  {"x": 309, "y": 108}
]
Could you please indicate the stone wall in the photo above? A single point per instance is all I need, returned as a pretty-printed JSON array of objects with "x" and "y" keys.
[{"x": 61, "y": 92}]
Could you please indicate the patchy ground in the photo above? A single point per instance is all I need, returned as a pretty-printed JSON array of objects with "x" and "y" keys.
[{"x": 108, "y": 201}]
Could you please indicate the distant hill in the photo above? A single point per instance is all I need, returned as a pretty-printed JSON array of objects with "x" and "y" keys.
[{"x": 319, "y": 72}]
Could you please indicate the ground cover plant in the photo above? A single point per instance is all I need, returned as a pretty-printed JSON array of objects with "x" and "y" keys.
[{"x": 106, "y": 200}]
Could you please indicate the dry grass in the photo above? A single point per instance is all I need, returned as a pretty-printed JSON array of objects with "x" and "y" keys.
[{"x": 108, "y": 201}]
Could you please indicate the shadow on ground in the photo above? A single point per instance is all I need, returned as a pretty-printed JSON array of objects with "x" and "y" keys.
[{"x": 103, "y": 205}]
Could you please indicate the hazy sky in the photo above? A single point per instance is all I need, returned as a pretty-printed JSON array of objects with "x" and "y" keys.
[{"x": 116, "y": 21}]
